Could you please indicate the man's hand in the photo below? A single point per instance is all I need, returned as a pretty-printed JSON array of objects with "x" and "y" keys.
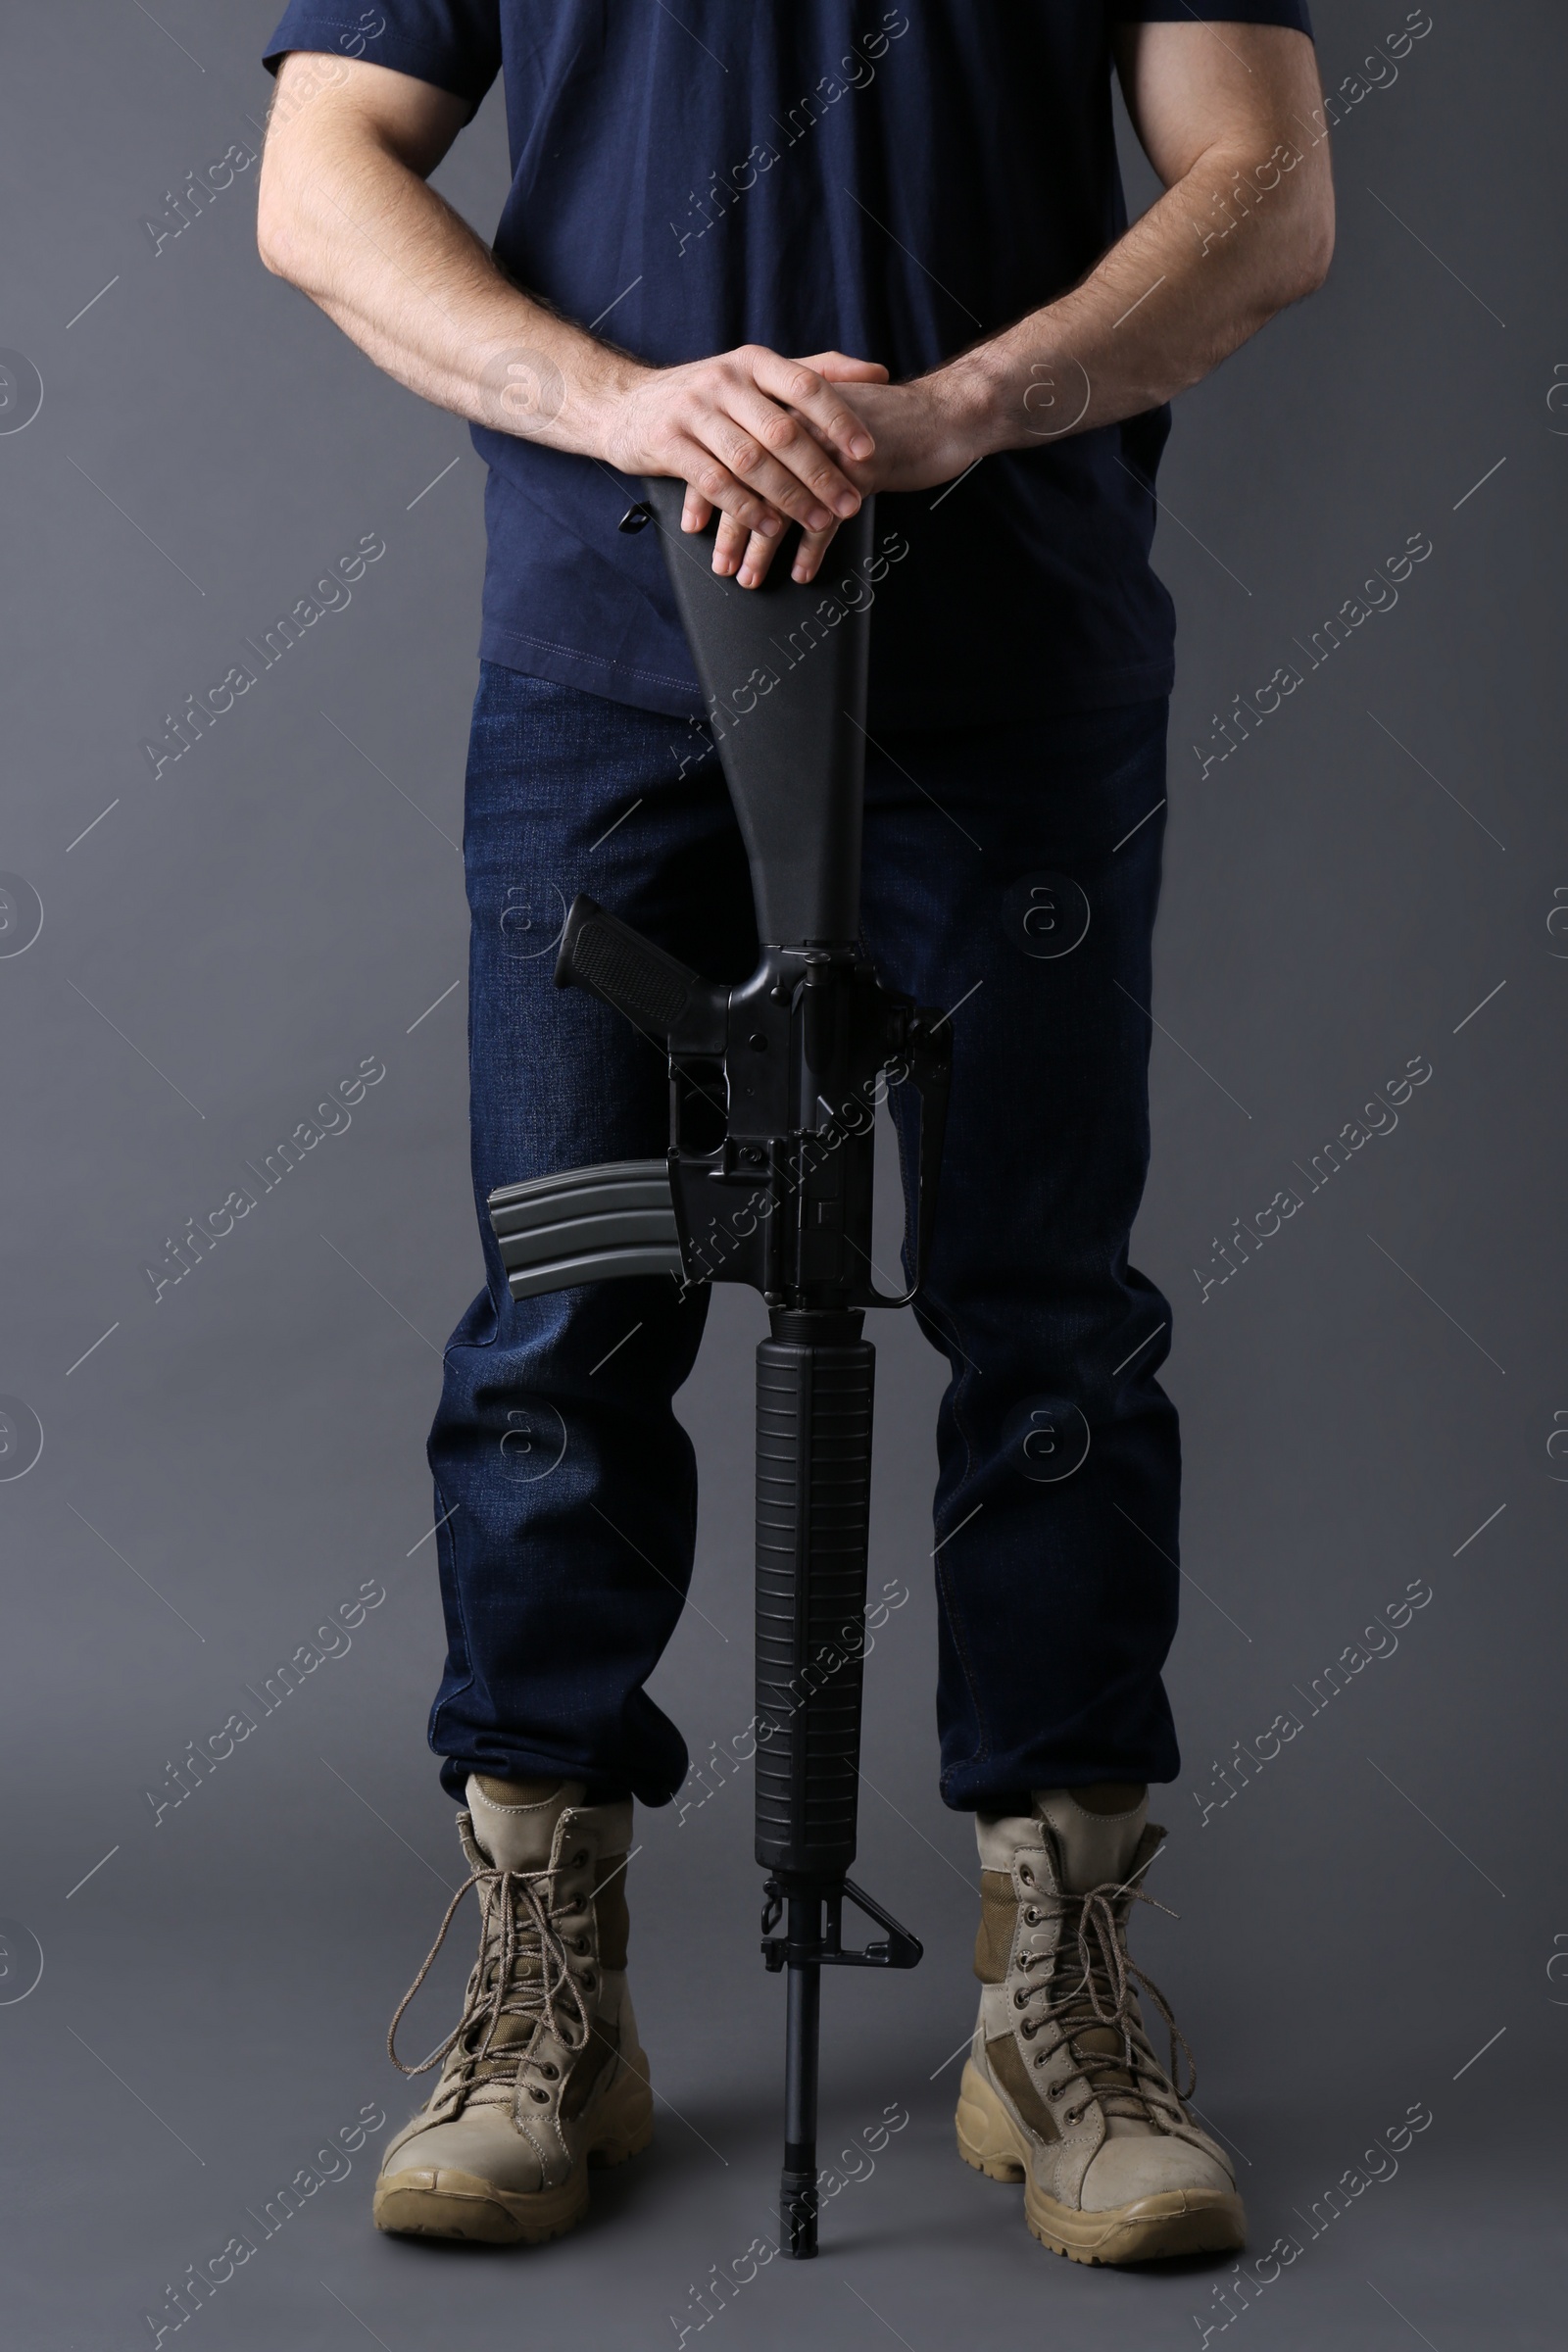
[
  {"x": 925, "y": 433},
  {"x": 765, "y": 439},
  {"x": 748, "y": 549}
]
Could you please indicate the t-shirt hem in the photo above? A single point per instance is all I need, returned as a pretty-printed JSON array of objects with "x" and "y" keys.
[
  {"x": 598, "y": 674},
  {"x": 675, "y": 697}
]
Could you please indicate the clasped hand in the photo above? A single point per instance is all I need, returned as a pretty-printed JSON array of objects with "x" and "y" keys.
[{"x": 770, "y": 441}]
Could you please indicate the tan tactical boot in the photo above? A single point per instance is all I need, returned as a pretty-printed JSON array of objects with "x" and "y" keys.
[
  {"x": 1062, "y": 2089},
  {"x": 543, "y": 2073}
]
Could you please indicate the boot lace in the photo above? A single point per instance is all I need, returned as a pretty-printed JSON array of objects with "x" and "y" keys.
[
  {"x": 1122, "y": 2073},
  {"x": 521, "y": 1972}
]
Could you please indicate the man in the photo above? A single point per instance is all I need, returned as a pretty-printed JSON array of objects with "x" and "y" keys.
[{"x": 923, "y": 199}]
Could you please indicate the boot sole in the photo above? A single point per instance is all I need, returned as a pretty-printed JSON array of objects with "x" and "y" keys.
[
  {"x": 429, "y": 2202},
  {"x": 1154, "y": 2228}
]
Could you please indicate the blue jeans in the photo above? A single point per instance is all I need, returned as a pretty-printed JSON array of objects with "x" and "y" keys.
[{"x": 566, "y": 1488}]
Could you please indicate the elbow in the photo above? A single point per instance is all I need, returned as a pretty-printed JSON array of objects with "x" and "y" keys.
[
  {"x": 272, "y": 241},
  {"x": 277, "y": 238},
  {"x": 1310, "y": 245},
  {"x": 1314, "y": 257},
  {"x": 1297, "y": 270}
]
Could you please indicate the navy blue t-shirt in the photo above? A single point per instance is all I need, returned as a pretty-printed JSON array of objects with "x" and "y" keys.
[{"x": 892, "y": 181}]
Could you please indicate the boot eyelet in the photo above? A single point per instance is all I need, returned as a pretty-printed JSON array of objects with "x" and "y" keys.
[
  {"x": 589, "y": 1980},
  {"x": 548, "y": 2071},
  {"x": 1054, "y": 2091},
  {"x": 1031, "y": 1919},
  {"x": 1027, "y": 1876},
  {"x": 1020, "y": 1999},
  {"x": 579, "y": 1857},
  {"x": 542, "y": 2097},
  {"x": 1029, "y": 2028},
  {"x": 579, "y": 1943}
]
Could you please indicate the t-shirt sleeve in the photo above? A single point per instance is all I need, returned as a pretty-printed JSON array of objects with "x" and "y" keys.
[
  {"x": 453, "y": 44},
  {"x": 1291, "y": 12}
]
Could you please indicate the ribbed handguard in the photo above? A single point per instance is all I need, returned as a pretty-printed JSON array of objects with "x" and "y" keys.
[{"x": 814, "y": 1484}]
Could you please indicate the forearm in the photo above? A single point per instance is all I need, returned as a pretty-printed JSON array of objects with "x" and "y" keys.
[
  {"x": 392, "y": 265},
  {"x": 1245, "y": 226},
  {"x": 1231, "y": 243}
]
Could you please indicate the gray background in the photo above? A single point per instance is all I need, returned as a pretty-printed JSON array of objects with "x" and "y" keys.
[{"x": 225, "y": 1467}]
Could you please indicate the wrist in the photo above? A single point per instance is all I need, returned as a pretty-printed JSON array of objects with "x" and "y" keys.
[
  {"x": 562, "y": 390},
  {"x": 1022, "y": 389},
  {"x": 980, "y": 394},
  {"x": 605, "y": 383}
]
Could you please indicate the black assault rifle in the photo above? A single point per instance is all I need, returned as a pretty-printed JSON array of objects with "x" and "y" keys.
[{"x": 774, "y": 1191}]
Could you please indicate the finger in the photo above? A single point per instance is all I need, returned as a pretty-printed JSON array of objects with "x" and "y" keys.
[
  {"x": 696, "y": 514},
  {"x": 711, "y": 481},
  {"x": 730, "y": 544},
  {"x": 758, "y": 561},
  {"x": 839, "y": 369},
  {"x": 747, "y": 557},
  {"x": 760, "y": 554},
  {"x": 793, "y": 468},
  {"x": 801, "y": 387},
  {"x": 809, "y": 553},
  {"x": 777, "y": 483}
]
